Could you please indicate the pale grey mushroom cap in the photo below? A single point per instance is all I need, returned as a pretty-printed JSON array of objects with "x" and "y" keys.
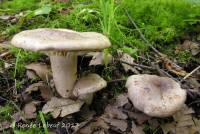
[
  {"x": 89, "y": 84},
  {"x": 155, "y": 96},
  {"x": 45, "y": 39},
  {"x": 86, "y": 86},
  {"x": 63, "y": 46}
]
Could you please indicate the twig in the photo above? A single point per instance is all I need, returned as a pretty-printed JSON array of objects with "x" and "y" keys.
[
  {"x": 83, "y": 125},
  {"x": 4, "y": 54},
  {"x": 138, "y": 65},
  {"x": 197, "y": 101},
  {"x": 163, "y": 72},
  {"x": 142, "y": 35},
  {"x": 2, "y": 98},
  {"x": 167, "y": 74},
  {"x": 188, "y": 75},
  {"x": 162, "y": 56}
]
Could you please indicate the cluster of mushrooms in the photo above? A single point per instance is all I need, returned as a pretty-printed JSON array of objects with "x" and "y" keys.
[{"x": 153, "y": 95}]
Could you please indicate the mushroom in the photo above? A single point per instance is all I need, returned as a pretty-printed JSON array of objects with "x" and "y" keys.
[
  {"x": 154, "y": 95},
  {"x": 86, "y": 86},
  {"x": 62, "y": 46}
]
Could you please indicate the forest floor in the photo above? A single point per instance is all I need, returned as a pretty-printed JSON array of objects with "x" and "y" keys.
[{"x": 159, "y": 37}]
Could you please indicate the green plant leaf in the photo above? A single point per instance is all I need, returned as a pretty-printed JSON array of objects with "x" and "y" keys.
[{"x": 43, "y": 10}]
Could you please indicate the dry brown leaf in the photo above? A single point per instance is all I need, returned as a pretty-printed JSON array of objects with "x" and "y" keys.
[
  {"x": 51, "y": 132},
  {"x": 5, "y": 55},
  {"x": 65, "y": 10},
  {"x": 4, "y": 125},
  {"x": 31, "y": 75},
  {"x": 121, "y": 125},
  {"x": 61, "y": 107},
  {"x": 30, "y": 110},
  {"x": 191, "y": 46},
  {"x": 137, "y": 129},
  {"x": 7, "y": 65},
  {"x": 17, "y": 117},
  {"x": 139, "y": 116},
  {"x": 98, "y": 59},
  {"x": 42, "y": 70},
  {"x": 124, "y": 57},
  {"x": 184, "y": 123},
  {"x": 194, "y": 83},
  {"x": 170, "y": 127},
  {"x": 46, "y": 92},
  {"x": 114, "y": 112},
  {"x": 121, "y": 100},
  {"x": 34, "y": 87},
  {"x": 4, "y": 17},
  {"x": 99, "y": 132},
  {"x": 174, "y": 68},
  {"x": 92, "y": 126}
]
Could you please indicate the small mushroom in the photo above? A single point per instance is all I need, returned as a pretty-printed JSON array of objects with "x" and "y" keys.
[
  {"x": 154, "y": 95},
  {"x": 62, "y": 46},
  {"x": 86, "y": 86}
]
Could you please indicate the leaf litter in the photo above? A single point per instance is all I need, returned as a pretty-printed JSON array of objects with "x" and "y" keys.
[{"x": 118, "y": 115}]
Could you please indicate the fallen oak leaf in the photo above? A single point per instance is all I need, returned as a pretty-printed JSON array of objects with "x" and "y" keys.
[
  {"x": 61, "y": 107},
  {"x": 121, "y": 100},
  {"x": 126, "y": 58},
  {"x": 174, "y": 68},
  {"x": 87, "y": 117},
  {"x": 18, "y": 117},
  {"x": 4, "y": 125},
  {"x": 122, "y": 125},
  {"x": 30, "y": 110},
  {"x": 31, "y": 75},
  {"x": 65, "y": 10},
  {"x": 5, "y": 17},
  {"x": 98, "y": 58},
  {"x": 184, "y": 123},
  {"x": 191, "y": 46},
  {"x": 94, "y": 125},
  {"x": 137, "y": 129},
  {"x": 45, "y": 90},
  {"x": 34, "y": 87},
  {"x": 101, "y": 131},
  {"x": 114, "y": 112},
  {"x": 42, "y": 70},
  {"x": 139, "y": 116}
]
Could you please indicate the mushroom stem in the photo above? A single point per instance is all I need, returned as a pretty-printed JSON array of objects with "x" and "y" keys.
[{"x": 64, "y": 70}]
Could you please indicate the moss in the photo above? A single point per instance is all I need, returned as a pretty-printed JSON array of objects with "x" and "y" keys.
[
  {"x": 18, "y": 5},
  {"x": 180, "y": 56}
]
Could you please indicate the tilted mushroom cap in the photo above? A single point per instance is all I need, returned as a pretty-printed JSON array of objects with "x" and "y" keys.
[
  {"x": 89, "y": 84},
  {"x": 86, "y": 86},
  {"x": 154, "y": 95},
  {"x": 45, "y": 39}
]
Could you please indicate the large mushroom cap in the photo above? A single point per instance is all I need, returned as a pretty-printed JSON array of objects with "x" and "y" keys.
[
  {"x": 154, "y": 95},
  {"x": 45, "y": 39}
]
